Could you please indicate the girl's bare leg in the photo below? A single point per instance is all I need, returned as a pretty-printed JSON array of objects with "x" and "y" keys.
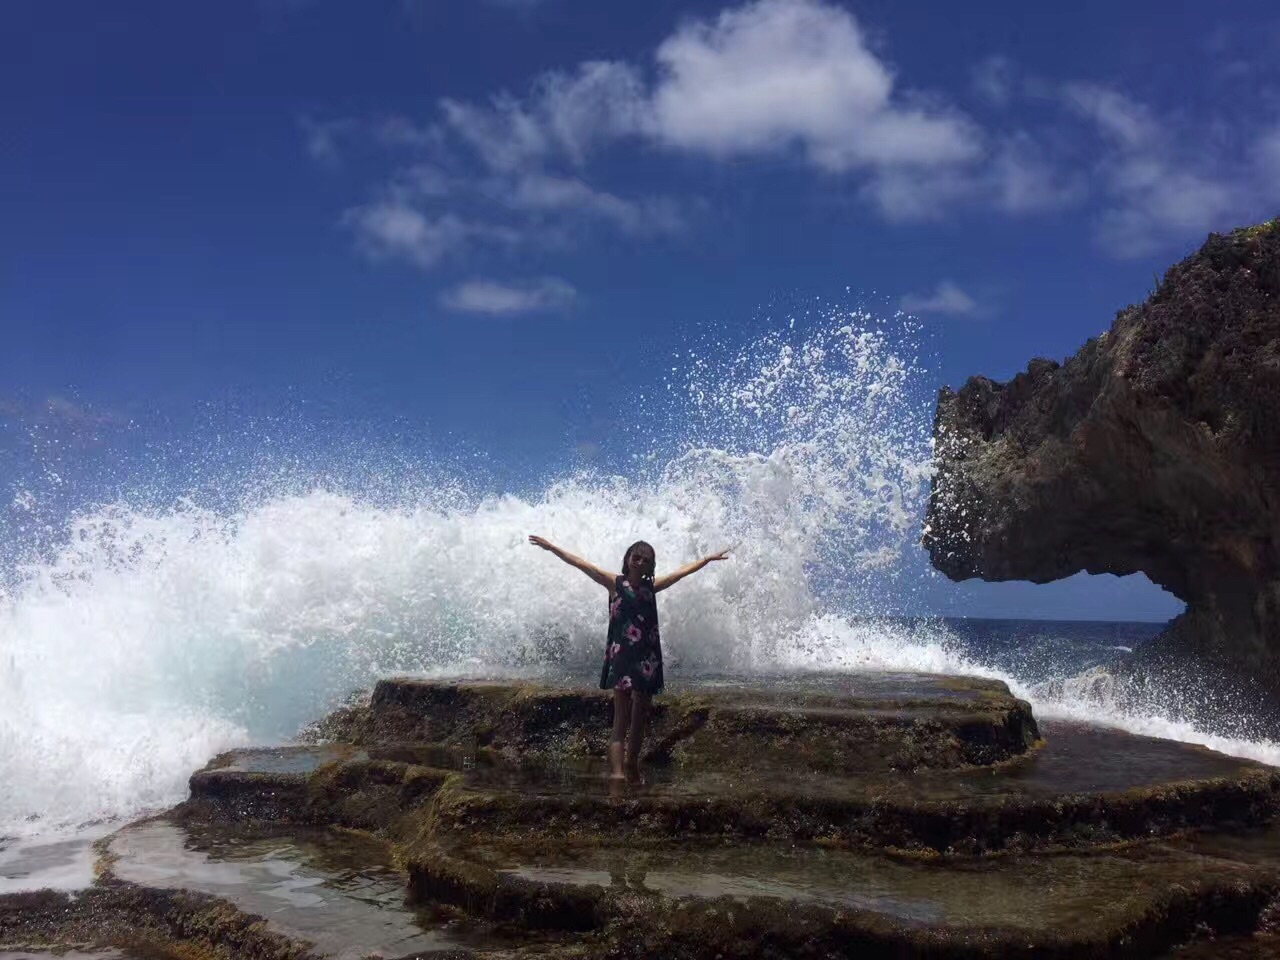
[
  {"x": 622, "y": 700},
  {"x": 639, "y": 714}
]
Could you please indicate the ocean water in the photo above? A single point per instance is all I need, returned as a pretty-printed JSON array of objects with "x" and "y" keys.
[{"x": 195, "y": 604}]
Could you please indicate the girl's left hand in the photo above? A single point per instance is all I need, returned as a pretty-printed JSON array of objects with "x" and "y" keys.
[{"x": 722, "y": 555}]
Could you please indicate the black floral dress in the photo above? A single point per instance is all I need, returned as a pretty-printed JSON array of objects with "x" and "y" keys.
[{"x": 633, "y": 652}]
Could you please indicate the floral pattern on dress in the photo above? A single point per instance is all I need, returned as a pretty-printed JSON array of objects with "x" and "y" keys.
[{"x": 633, "y": 650}]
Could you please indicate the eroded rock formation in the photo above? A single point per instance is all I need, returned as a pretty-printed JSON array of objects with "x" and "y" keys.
[{"x": 1156, "y": 448}]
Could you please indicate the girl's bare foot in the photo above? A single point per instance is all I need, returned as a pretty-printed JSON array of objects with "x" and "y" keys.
[{"x": 615, "y": 761}]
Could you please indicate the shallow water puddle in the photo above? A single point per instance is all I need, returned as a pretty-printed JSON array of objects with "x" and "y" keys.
[
  {"x": 52, "y": 863},
  {"x": 334, "y": 889},
  {"x": 291, "y": 759},
  {"x": 1082, "y": 758},
  {"x": 680, "y": 884},
  {"x": 1045, "y": 893},
  {"x": 1075, "y": 758}
]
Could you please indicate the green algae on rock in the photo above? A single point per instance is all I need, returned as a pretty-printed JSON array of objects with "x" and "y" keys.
[{"x": 364, "y": 794}]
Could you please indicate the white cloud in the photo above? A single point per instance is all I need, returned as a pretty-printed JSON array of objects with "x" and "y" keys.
[
  {"x": 779, "y": 73},
  {"x": 423, "y": 180},
  {"x": 761, "y": 78},
  {"x": 1154, "y": 200},
  {"x": 505, "y": 299},
  {"x": 391, "y": 229},
  {"x": 326, "y": 140},
  {"x": 418, "y": 216},
  {"x": 565, "y": 115},
  {"x": 395, "y": 131},
  {"x": 911, "y": 196},
  {"x": 993, "y": 79},
  {"x": 1129, "y": 123},
  {"x": 323, "y": 137},
  {"x": 1017, "y": 178},
  {"x": 766, "y": 78},
  {"x": 1267, "y": 159},
  {"x": 543, "y": 192},
  {"x": 1024, "y": 178},
  {"x": 947, "y": 298},
  {"x": 796, "y": 79},
  {"x": 504, "y": 134},
  {"x": 1162, "y": 182},
  {"x": 601, "y": 102}
]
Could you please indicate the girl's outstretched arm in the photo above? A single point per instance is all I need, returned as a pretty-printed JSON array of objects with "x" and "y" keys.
[
  {"x": 665, "y": 581},
  {"x": 602, "y": 577}
]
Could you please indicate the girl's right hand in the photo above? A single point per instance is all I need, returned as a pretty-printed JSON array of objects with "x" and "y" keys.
[{"x": 542, "y": 542}]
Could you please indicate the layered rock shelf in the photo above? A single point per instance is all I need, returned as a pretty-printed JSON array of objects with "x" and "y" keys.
[{"x": 869, "y": 815}]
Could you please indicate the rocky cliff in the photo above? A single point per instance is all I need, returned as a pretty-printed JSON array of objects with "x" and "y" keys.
[{"x": 1156, "y": 448}]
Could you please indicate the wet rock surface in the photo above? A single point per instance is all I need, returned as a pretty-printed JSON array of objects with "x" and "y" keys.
[
  {"x": 1155, "y": 449},
  {"x": 476, "y": 819},
  {"x": 854, "y": 722},
  {"x": 339, "y": 892}
]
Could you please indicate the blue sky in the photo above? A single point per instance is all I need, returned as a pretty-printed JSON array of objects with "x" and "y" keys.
[{"x": 455, "y": 217}]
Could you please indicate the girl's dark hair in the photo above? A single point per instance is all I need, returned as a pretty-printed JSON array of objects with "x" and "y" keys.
[{"x": 648, "y": 577}]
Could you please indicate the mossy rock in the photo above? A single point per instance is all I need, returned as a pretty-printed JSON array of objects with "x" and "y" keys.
[
  {"x": 384, "y": 797},
  {"x": 142, "y": 921},
  {"x": 826, "y": 724},
  {"x": 1084, "y": 787},
  {"x": 962, "y": 824},
  {"x": 761, "y": 902}
]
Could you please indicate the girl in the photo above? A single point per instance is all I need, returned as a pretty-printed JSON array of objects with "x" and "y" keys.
[{"x": 633, "y": 650}]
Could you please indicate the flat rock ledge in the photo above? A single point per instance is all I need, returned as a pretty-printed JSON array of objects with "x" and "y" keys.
[
  {"x": 819, "y": 903},
  {"x": 444, "y": 753},
  {"x": 825, "y": 724},
  {"x": 824, "y": 817},
  {"x": 143, "y": 922}
]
